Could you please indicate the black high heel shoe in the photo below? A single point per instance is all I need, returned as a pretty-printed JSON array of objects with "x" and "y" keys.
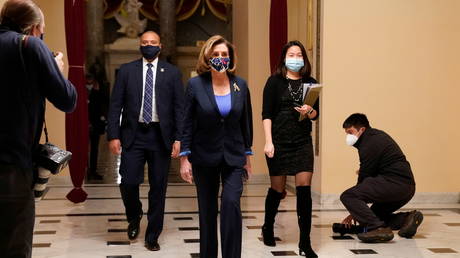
[
  {"x": 307, "y": 251},
  {"x": 268, "y": 236}
]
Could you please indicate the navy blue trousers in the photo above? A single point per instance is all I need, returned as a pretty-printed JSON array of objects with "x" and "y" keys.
[
  {"x": 147, "y": 147},
  {"x": 207, "y": 180}
]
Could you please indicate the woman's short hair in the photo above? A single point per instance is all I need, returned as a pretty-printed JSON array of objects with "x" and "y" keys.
[
  {"x": 281, "y": 67},
  {"x": 20, "y": 15},
  {"x": 203, "y": 65}
]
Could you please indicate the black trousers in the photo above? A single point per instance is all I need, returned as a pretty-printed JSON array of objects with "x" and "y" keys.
[
  {"x": 207, "y": 180},
  {"x": 17, "y": 211},
  {"x": 147, "y": 147},
  {"x": 386, "y": 196}
]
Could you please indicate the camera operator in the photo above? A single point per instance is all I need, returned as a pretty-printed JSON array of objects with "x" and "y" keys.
[
  {"x": 27, "y": 79},
  {"x": 385, "y": 180}
]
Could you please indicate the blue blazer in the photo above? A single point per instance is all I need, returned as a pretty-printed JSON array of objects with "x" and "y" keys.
[
  {"x": 208, "y": 137},
  {"x": 126, "y": 100}
]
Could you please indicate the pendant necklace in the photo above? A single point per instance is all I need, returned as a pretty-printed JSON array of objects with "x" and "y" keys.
[{"x": 297, "y": 94}]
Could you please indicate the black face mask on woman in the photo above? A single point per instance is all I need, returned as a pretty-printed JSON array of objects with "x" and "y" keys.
[{"x": 149, "y": 52}]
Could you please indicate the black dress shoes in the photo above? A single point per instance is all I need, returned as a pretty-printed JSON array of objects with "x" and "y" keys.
[
  {"x": 133, "y": 228},
  {"x": 152, "y": 246}
]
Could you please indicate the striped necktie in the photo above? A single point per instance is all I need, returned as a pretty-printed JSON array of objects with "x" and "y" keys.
[{"x": 148, "y": 95}]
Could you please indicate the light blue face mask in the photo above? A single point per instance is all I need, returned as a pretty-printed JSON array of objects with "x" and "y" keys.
[{"x": 294, "y": 64}]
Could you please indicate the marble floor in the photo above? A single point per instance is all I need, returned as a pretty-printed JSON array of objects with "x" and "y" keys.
[{"x": 97, "y": 227}]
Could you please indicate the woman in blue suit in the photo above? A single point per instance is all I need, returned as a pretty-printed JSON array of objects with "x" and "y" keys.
[{"x": 216, "y": 141}]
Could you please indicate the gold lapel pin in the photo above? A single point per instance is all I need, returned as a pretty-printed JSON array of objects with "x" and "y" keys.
[{"x": 235, "y": 87}]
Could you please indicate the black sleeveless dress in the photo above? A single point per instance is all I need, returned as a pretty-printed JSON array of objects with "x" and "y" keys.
[{"x": 291, "y": 137}]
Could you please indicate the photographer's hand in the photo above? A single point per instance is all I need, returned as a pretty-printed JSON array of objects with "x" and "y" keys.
[
  {"x": 115, "y": 146},
  {"x": 59, "y": 61},
  {"x": 348, "y": 221}
]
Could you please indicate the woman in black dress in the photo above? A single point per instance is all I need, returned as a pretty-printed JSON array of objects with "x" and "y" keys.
[{"x": 288, "y": 143}]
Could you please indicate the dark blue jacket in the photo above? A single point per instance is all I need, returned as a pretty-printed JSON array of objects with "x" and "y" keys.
[
  {"x": 23, "y": 94},
  {"x": 209, "y": 137},
  {"x": 126, "y": 100}
]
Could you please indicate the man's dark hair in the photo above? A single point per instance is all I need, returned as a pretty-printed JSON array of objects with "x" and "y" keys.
[{"x": 357, "y": 120}]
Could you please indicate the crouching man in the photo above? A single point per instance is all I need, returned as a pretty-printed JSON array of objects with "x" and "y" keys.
[{"x": 385, "y": 180}]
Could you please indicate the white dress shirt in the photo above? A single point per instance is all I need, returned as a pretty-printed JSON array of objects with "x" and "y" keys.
[{"x": 144, "y": 75}]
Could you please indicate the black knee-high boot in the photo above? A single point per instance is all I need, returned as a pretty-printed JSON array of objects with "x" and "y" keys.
[
  {"x": 272, "y": 201},
  {"x": 304, "y": 206}
]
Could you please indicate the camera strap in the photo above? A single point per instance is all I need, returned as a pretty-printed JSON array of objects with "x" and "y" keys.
[
  {"x": 22, "y": 44},
  {"x": 45, "y": 130}
]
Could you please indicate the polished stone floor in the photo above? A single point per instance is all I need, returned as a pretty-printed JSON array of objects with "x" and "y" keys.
[{"x": 97, "y": 227}]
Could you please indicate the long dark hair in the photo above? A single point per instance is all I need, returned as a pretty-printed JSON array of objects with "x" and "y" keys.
[{"x": 281, "y": 67}]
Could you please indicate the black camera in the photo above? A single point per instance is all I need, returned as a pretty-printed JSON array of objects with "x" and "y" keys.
[
  {"x": 52, "y": 158},
  {"x": 342, "y": 229}
]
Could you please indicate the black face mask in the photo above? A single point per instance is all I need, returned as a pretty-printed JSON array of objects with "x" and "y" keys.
[{"x": 149, "y": 52}]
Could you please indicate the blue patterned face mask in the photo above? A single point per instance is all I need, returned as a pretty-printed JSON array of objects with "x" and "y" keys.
[
  {"x": 220, "y": 64},
  {"x": 294, "y": 64}
]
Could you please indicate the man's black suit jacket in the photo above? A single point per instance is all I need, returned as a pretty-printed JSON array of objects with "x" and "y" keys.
[{"x": 126, "y": 100}]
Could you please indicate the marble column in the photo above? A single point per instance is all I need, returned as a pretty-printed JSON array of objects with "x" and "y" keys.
[
  {"x": 94, "y": 33},
  {"x": 168, "y": 29}
]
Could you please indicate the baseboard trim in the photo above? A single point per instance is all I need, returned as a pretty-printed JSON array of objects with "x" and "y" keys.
[{"x": 419, "y": 198}]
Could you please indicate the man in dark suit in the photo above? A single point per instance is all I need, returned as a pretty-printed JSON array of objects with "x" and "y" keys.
[{"x": 148, "y": 94}]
